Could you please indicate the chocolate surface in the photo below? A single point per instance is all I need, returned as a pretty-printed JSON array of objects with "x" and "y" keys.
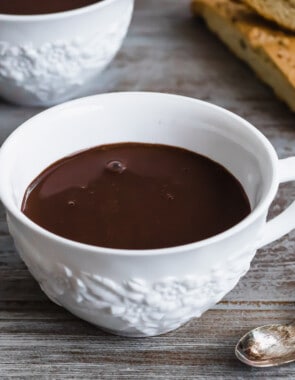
[
  {"x": 136, "y": 196},
  {"x": 33, "y": 7}
]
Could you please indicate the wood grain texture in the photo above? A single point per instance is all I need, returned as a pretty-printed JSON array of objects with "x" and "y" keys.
[{"x": 166, "y": 50}]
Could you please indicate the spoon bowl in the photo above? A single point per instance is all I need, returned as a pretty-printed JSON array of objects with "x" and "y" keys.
[{"x": 267, "y": 346}]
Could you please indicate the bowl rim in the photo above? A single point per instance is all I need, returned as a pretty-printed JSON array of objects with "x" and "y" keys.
[
  {"x": 251, "y": 218},
  {"x": 56, "y": 15}
]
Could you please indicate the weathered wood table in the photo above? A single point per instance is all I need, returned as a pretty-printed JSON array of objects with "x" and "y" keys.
[{"x": 166, "y": 50}]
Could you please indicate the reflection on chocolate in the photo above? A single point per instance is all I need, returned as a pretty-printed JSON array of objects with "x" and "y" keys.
[
  {"x": 33, "y": 7},
  {"x": 136, "y": 196}
]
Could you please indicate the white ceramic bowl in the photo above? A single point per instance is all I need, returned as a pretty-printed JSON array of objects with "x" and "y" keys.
[
  {"x": 147, "y": 292},
  {"x": 47, "y": 59}
]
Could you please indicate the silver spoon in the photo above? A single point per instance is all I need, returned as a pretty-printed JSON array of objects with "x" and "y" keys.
[{"x": 267, "y": 346}]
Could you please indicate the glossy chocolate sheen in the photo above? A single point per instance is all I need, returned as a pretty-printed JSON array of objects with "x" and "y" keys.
[
  {"x": 34, "y": 7},
  {"x": 136, "y": 196}
]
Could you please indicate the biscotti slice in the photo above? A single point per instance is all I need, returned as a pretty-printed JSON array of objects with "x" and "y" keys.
[
  {"x": 271, "y": 53},
  {"x": 280, "y": 11}
]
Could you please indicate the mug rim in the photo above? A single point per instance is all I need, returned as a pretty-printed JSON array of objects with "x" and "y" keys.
[
  {"x": 56, "y": 15},
  {"x": 254, "y": 214}
]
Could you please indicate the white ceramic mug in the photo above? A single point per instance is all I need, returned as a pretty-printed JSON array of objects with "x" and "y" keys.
[
  {"x": 49, "y": 58},
  {"x": 145, "y": 292}
]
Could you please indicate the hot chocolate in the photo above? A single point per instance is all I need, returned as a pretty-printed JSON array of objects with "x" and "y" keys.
[
  {"x": 136, "y": 196},
  {"x": 33, "y": 7}
]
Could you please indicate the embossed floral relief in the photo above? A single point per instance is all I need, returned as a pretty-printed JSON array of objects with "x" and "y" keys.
[
  {"x": 54, "y": 68},
  {"x": 147, "y": 308}
]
